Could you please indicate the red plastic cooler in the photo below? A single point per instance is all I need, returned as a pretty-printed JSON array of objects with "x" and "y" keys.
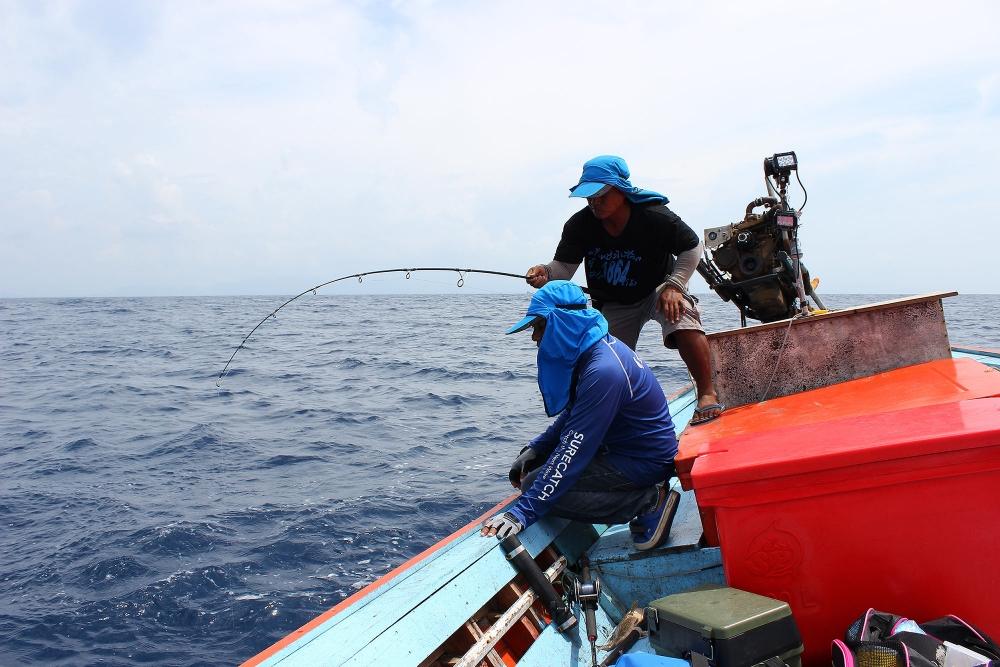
[{"x": 896, "y": 510}]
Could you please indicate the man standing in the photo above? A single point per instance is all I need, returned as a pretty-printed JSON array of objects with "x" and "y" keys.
[
  {"x": 638, "y": 256},
  {"x": 609, "y": 454}
]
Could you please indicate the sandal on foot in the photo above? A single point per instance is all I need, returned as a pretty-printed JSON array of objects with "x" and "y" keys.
[{"x": 700, "y": 416}]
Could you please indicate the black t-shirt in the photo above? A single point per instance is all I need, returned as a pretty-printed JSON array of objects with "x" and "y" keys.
[{"x": 625, "y": 268}]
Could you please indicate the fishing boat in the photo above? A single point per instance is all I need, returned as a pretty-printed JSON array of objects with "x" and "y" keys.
[{"x": 855, "y": 467}]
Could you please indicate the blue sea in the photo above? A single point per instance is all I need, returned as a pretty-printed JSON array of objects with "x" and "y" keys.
[{"x": 149, "y": 517}]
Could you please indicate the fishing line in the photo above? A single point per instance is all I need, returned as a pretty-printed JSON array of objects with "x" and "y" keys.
[{"x": 361, "y": 278}]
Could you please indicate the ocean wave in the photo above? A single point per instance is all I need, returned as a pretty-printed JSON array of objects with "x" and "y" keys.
[
  {"x": 288, "y": 552},
  {"x": 432, "y": 399},
  {"x": 289, "y": 459},
  {"x": 448, "y": 374},
  {"x": 255, "y": 516},
  {"x": 335, "y": 447},
  {"x": 79, "y": 444},
  {"x": 349, "y": 363},
  {"x": 467, "y": 430},
  {"x": 107, "y": 572},
  {"x": 61, "y": 466},
  {"x": 178, "y": 538},
  {"x": 194, "y": 441}
]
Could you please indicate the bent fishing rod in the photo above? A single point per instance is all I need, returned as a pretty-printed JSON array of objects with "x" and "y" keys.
[{"x": 360, "y": 277}]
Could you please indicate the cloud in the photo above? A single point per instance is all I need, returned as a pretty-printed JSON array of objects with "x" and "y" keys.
[{"x": 262, "y": 147}]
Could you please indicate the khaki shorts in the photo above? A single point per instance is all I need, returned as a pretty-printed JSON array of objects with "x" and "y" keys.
[{"x": 626, "y": 321}]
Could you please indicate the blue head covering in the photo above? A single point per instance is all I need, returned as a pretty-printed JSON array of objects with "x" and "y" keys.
[
  {"x": 612, "y": 170},
  {"x": 571, "y": 328}
]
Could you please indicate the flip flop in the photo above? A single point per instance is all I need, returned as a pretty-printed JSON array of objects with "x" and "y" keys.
[{"x": 698, "y": 412}]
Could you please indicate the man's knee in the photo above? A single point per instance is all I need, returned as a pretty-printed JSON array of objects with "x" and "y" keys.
[{"x": 681, "y": 339}]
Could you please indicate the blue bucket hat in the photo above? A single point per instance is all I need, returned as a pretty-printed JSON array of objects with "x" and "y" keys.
[
  {"x": 605, "y": 170},
  {"x": 571, "y": 328}
]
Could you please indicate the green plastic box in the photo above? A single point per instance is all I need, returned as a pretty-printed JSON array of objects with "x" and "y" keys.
[{"x": 729, "y": 627}]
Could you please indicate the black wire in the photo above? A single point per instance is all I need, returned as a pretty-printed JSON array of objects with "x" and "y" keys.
[
  {"x": 803, "y": 191},
  {"x": 360, "y": 277}
]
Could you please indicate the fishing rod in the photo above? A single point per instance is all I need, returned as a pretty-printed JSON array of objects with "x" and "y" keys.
[{"x": 360, "y": 277}]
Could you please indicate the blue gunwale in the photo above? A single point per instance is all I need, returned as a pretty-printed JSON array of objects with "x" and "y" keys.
[
  {"x": 370, "y": 593},
  {"x": 983, "y": 355}
]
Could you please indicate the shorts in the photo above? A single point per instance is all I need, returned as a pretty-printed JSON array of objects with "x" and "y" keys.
[{"x": 625, "y": 321}]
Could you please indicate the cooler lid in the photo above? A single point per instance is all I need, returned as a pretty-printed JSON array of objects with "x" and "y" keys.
[
  {"x": 719, "y": 613},
  {"x": 782, "y": 429},
  {"x": 917, "y": 440}
]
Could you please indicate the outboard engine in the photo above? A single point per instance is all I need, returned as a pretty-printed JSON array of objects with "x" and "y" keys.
[{"x": 756, "y": 262}]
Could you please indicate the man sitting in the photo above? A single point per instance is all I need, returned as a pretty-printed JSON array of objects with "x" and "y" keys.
[{"x": 609, "y": 454}]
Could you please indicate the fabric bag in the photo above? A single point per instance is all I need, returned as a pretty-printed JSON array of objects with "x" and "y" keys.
[{"x": 880, "y": 639}]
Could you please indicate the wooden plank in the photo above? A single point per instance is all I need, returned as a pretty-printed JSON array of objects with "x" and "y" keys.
[
  {"x": 415, "y": 617},
  {"x": 488, "y": 639},
  {"x": 487, "y": 654},
  {"x": 533, "y": 622},
  {"x": 685, "y": 535},
  {"x": 570, "y": 649},
  {"x": 647, "y": 579},
  {"x": 628, "y": 575}
]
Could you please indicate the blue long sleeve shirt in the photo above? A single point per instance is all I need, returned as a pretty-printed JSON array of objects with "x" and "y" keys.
[{"x": 619, "y": 409}]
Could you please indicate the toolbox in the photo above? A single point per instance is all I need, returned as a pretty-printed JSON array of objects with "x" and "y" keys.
[{"x": 724, "y": 627}]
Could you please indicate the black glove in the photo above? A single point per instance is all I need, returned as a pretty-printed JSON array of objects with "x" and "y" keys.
[{"x": 520, "y": 466}]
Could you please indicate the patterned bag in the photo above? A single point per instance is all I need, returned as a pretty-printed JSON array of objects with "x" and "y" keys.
[{"x": 879, "y": 639}]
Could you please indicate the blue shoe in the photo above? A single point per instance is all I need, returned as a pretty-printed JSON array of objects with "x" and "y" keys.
[{"x": 651, "y": 529}]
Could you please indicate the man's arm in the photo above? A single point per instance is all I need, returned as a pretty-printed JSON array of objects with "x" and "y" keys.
[
  {"x": 684, "y": 267},
  {"x": 673, "y": 291},
  {"x": 545, "y": 442},
  {"x": 569, "y": 254},
  {"x": 538, "y": 275}
]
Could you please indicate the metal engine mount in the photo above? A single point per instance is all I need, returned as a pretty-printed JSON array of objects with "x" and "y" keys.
[{"x": 756, "y": 262}]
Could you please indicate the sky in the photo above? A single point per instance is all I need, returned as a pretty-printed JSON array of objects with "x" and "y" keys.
[{"x": 211, "y": 148}]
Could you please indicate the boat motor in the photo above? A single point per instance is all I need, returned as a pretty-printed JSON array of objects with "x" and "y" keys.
[
  {"x": 562, "y": 616},
  {"x": 756, "y": 262}
]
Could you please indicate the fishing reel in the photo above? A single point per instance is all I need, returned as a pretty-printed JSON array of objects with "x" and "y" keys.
[
  {"x": 756, "y": 262},
  {"x": 587, "y": 593}
]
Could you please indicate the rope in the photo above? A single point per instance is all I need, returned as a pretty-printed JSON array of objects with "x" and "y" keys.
[{"x": 781, "y": 351}]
